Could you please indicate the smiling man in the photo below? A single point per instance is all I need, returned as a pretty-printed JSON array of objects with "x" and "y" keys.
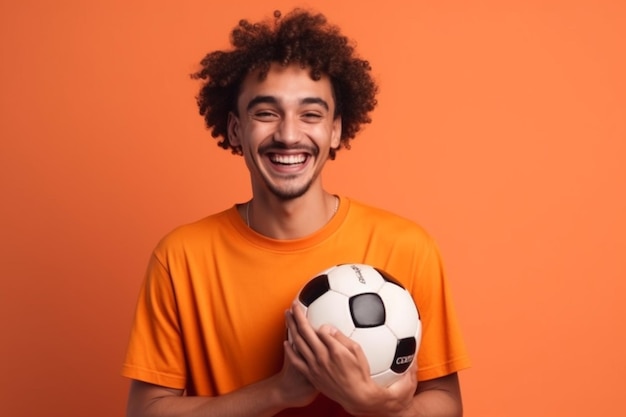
[
  {"x": 285, "y": 125},
  {"x": 209, "y": 332}
]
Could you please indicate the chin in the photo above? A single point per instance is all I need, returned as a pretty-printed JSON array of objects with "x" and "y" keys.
[{"x": 291, "y": 192}]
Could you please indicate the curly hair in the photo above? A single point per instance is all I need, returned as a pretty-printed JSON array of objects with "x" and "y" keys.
[{"x": 302, "y": 38}]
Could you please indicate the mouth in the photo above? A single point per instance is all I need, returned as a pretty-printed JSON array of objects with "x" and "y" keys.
[{"x": 288, "y": 160}]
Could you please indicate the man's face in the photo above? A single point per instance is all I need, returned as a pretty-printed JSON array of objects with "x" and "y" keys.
[{"x": 286, "y": 129}]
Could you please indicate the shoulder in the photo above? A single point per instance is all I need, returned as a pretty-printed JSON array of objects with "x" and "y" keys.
[
  {"x": 390, "y": 235},
  {"x": 196, "y": 234},
  {"x": 377, "y": 219}
]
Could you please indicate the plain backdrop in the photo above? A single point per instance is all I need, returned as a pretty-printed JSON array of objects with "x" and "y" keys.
[{"x": 501, "y": 128}]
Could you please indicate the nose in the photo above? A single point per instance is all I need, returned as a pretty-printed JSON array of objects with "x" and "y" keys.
[{"x": 287, "y": 131}]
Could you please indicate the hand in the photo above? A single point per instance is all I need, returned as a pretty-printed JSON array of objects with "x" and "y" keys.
[
  {"x": 295, "y": 388},
  {"x": 337, "y": 367}
]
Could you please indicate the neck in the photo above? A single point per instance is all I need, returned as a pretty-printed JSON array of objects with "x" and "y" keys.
[{"x": 289, "y": 219}]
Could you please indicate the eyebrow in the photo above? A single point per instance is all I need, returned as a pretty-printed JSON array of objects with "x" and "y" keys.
[{"x": 272, "y": 100}]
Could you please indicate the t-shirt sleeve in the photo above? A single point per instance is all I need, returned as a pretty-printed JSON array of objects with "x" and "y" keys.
[
  {"x": 442, "y": 349},
  {"x": 155, "y": 350}
]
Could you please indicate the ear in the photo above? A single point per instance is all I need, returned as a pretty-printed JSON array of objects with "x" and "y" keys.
[
  {"x": 335, "y": 139},
  {"x": 234, "y": 135}
]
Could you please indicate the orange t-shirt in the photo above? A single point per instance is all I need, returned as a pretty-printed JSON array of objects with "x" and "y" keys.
[{"x": 210, "y": 314}]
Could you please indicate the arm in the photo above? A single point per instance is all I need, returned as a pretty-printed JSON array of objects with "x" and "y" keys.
[
  {"x": 337, "y": 367},
  {"x": 286, "y": 389},
  {"x": 147, "y": 400},
  {"x": 438, "y": 397}
]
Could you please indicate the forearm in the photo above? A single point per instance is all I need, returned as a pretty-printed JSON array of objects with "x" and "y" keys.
[
  {"x": 260, "y": 399},
  {"x": 440, "y": 397},
  {"x": 434, "y": 403},
  {"x": 425, "y": 404}
]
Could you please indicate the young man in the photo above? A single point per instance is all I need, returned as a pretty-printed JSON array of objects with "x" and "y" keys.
[{"x": 209, "y": 332}]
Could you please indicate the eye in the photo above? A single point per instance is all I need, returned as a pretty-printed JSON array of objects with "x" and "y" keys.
[
  {"x": 312, "y": 117},
  {"x": 264, "y": 115}
]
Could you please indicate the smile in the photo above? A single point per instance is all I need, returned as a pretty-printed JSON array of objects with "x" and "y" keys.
[{"x": 288, "y": 159}]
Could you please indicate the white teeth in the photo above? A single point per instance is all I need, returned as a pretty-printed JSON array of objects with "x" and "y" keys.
[{"x": 288, "y": 159}]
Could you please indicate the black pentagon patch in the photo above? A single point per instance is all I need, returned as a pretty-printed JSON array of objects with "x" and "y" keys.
[
  {"x": 367, "y": 310},
  {"x": 387, "y": 277},
  {"x": 314, "y": 289},
  {"x": 405, "y": 354}
]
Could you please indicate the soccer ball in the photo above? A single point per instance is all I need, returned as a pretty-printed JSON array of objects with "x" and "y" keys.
[{"x": 373, "y": 309}]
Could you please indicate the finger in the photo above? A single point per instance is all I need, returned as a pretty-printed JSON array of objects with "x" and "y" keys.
[
  {"x": 293, "y": 358},
  {"x": 405, "y": 388},
  {"x": 293, "y": 353},
  {"x": 299, "y": 315},
  {"x": 334, "y": 334},
  {"x": 407, "y": 384},
  {"x": 298, "y": 343},
  {"x": 292, "y": 328},
  {"x": 307, "y": 333},
  {"x": 309, "y": 345},
  {"x": 334, "y": 340},
  {"x": 338, "y": 342}
]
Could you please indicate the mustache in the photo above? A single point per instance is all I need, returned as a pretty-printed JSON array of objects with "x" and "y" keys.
[{"x": 281, "y": 147}]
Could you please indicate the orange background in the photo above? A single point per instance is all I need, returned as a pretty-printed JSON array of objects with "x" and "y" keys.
[{"x": 501, "y": 128}]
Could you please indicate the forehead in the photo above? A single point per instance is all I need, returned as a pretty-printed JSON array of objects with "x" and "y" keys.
[{"x": 290, "y": 84}]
